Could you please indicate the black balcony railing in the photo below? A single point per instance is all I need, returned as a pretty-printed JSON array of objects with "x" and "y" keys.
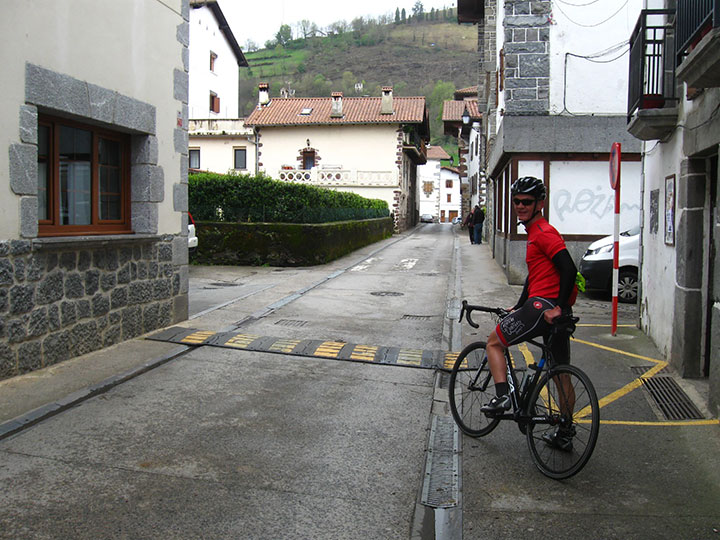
[
  {"x": 651, "y": 81},
  {"x": 694, "y": 19}
]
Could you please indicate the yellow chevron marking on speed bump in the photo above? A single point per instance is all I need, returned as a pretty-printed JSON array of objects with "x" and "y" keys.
[
  {"x": 364, "y": 352},
  {"x": 197, "y": 337},
  {"x": 451, "y": 358},
  {"x": 241, "y": 341},
  {"x": 284, "y": 345},
  {"x": 329, "y": 348},
  {"x": 410, "y": 357}
]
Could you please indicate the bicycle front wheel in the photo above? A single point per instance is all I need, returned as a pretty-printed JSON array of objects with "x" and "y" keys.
[
  {"x": 471, "y": 386},
  {"x": 565, "y": 422}
]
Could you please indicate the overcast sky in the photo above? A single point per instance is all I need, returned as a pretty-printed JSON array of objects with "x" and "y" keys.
[{"x": 260, "y": 20}]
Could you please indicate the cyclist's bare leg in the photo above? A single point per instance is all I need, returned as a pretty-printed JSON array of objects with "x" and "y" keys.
[
  {"x": 496, "y": 358},
  {"x": 566, "y": 394}
]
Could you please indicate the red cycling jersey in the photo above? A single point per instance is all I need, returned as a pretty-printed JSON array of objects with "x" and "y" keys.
[{"x": 544, "y": 242}]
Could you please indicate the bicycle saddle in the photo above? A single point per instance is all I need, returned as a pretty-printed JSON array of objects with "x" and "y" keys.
[{"x": 564, "y": 324}]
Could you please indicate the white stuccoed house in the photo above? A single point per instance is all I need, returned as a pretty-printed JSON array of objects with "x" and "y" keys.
[
  {"x": 219, "y": 141},
  {"x": 429, "y": 181},
  {"x": 371, "y": 146}
]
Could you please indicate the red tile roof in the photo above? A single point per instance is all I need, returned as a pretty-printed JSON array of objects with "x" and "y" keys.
[
  {"x": 360, "y": 110},
  {"x": 453, "y": 110},
  {"x": 470, "y": 91},
  {"x": 437, "y": 152}
]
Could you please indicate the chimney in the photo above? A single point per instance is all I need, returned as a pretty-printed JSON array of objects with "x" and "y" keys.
[
  {"x": 386, "y": 105},
  {"x": 336, "y": 109},
  {"x": 263, "y": 94}
]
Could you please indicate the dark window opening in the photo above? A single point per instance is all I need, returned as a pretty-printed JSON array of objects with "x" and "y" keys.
[
  {"x": 194, "y": 158},
  {"x": 240, "y": 158},
  {"x": 308, "y": 160}
]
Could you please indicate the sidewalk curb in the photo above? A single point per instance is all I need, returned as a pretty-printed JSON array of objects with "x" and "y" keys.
[{"x": 19, "y": 423}]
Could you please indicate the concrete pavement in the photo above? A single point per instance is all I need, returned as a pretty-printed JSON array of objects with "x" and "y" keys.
[{"x": 650, "y": 477}]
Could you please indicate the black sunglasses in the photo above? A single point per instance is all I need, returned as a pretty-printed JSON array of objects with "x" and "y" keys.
[{"x": 524, "y": 202}]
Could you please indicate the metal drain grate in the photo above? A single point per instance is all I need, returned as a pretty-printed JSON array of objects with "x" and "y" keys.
[
  {"x": 440, "y": 486},
  {"x": 416, "y": 317},
  {"x": 386, "y": 293},
  {"x": 289, "y": 322},
  {"x": 672, "y": 401}
]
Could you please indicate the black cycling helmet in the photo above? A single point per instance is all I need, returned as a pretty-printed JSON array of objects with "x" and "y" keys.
[{"x": 529, "y": 185}]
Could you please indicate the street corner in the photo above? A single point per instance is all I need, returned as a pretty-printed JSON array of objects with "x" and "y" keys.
[{"x": 635, "y": 385}]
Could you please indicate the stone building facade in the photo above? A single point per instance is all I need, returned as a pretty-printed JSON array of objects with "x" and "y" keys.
[{"x": 93, "y": 212}]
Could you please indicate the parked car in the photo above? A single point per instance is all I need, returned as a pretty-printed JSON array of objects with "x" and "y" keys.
[
  {"x": 427, "y": 218},
  {"x": 192, "y": 238},
  {"x": 456, "y": 220},
  {"x": 597, "y": 265}
]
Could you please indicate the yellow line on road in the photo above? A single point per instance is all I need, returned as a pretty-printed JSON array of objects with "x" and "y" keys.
[
  {"x": 712, "y": 422},
  {"x": 527, "y": 354},
  {"x": 589, "y": 325},
  {"x": 284, "y": 345},
  {"x": 451, "y": 358},
  {"x": 329, "y": 348},
  {"x": 241, "y": 341},
  {"x": 364, "y": 352},
  {"x": 197, "y": 337},
  {"x": 410, "y": 357},
  {"x": 618, "y": 351}
]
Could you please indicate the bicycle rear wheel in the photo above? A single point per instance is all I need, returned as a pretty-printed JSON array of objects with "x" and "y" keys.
[
  {"x": 471, "y": 386},
  {"x": 563, "y": 441}
]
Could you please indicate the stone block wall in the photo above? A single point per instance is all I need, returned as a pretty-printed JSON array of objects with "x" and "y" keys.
[
  {"x": 527, "y": 57},
  {"x": 58, "y": 302}
]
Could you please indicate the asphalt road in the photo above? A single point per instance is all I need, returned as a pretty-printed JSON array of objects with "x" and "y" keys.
[{"x": 227, "y": 442}]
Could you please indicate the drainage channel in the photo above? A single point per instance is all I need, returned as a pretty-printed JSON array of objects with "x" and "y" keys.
[
  {"x": 666, "y": 393},
  {"x": 438, "y": 513}
]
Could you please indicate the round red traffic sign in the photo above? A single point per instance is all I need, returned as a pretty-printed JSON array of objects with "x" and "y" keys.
[{"x": 615, "y": 165}]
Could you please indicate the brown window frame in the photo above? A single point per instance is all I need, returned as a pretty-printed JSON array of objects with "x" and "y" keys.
[
  {"x": 449, "y": 197},
  {"x": 214, "y": 102},
  {"x": 449, "y": 184},
  {"x": 213, "y": 57},
  {"x": 52, "y": 226}
]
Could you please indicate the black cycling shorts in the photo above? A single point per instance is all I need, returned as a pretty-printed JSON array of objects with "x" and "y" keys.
[{"x": 528, "y": 323}]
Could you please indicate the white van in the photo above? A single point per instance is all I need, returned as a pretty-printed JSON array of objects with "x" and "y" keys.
[{"x": 597, "y": 265}]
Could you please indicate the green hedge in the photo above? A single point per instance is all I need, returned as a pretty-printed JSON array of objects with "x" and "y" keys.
[
  {"x": 260, "y": 199},
  {"x": 285, "y": 244}
]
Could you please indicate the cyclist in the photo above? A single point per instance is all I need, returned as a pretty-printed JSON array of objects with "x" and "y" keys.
[{"x": 549, "y": 292}]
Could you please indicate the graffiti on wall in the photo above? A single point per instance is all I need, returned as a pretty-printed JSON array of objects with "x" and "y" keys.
[{"x": 586, "y": 203}]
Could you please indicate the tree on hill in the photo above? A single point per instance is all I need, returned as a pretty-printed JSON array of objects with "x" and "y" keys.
[
  {"x": 403, "y": 15},
  {"x": 284, "y": 35},
  {"x": 418, "y": 10},
  {"x": 397, "y": 15}
]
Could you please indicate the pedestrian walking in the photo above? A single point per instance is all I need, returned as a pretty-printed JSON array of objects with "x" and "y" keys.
[
  {"x": 468, "y": 222},
  {"x": 477, "y": 224}
]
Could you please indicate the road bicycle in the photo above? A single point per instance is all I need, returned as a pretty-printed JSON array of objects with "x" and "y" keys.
[{"x": 555, "y": 406}]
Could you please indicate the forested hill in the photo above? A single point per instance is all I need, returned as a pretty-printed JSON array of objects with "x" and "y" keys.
[{"x": 427, "y": 58}]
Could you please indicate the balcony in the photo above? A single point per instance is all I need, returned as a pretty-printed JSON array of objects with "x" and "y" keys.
[
  {"x": 414, "y": 146},
  {"x": 698, "y": 43},
  {"x": 332, "y": 178},
  {"x": 652, "y": 104}
]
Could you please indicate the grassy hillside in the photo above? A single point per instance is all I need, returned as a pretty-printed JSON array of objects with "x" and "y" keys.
[{"x": 432, "y": 59}]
